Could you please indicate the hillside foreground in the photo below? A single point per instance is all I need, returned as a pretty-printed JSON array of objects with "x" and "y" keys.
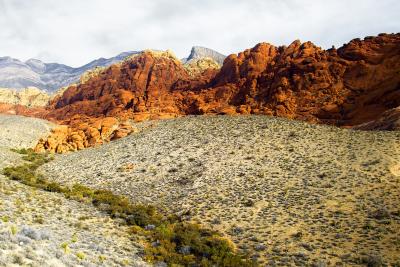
[
  {"x": 287, "y": 192},
  {"x": 43, "y": 229}
]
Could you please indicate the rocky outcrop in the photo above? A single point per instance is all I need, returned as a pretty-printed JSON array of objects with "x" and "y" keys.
[
  {"x": 197, "y": 66},
  {"x": 349, "y": 86},
  {"x": 352, "y": 85},
  {"x": 82, "y": 134},
  {"x": 142, "y": 84},
  {"x": 30, "y": 97},
  {"x": 11, "y": 109}
]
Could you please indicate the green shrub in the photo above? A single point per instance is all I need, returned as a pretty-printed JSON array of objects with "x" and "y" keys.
[
  {"x": 81, "y": 255},
  {"x": 189, "y": 244},
  {"x": 22, "y": 151}
]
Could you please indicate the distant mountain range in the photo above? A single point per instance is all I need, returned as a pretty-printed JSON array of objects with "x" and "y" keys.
[{"x": 50, "y": 77}]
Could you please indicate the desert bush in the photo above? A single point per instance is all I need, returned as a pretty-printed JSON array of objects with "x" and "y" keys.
[
  {"x": 189, "y": 244},
  {"x": 22, "y": 151}
]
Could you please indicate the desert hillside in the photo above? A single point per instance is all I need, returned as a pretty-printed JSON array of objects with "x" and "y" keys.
[
  {"x": 40, "y": 228},
  {"x": 275, "y": 142},
  {"x": 287, "y": 192}
]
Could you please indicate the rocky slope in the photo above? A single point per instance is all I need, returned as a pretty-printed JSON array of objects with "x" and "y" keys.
[
  {"x": 45, "y": 229},
  {"x": 290, "y": 193},
  {"x": 22, "y": 132},
  {"x": 348, "y": 86},
  {"x": 46, "y": 76},
  {"x": 142, "y": 84},
  {"x": 390, "y": 120}
]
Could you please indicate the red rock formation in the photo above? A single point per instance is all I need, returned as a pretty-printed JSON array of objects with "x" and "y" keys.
[
  {"x": 349, "y": 86},
  {"x": 140, "y": 85},
  {"x": 356, "y": 85},
  {"x": 352, "y": 85},
  {"x": 82, "y": 133}
]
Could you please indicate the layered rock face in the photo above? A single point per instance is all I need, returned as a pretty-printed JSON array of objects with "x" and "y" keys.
[
  {"x": 348, "y": 86},
  {"x": 30, "y": 97}
]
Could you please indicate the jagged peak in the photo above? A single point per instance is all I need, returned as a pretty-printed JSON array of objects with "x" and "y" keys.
[{"x": 202, "y": 52}]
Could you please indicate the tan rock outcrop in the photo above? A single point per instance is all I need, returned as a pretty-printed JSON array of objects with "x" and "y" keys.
[
  {"x": 197, "y": 66},
  {"x": 30, "y": 97}
]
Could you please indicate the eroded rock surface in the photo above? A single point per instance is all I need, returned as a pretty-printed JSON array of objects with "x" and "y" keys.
[
  {"x": 79, "y": 135},
  {"x": 348, "y": 86}
]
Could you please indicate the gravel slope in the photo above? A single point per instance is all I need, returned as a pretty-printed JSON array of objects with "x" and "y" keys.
[
  {"x": 296, "y": 194},
  {"x": 36, "y": 226},
  {"x": 22, "y": 132}
]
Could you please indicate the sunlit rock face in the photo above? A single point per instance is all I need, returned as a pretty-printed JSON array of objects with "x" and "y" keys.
[{"x": 352, "y": 85}]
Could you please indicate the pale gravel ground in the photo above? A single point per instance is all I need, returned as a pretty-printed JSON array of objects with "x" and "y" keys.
[
  {"x": 22, "y": 132},
  {"x": 288, "y": 192},
  {"x": 43, "y": 221}
]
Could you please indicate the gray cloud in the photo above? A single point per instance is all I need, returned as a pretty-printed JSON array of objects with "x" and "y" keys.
[{"x": 75, "y": 31}]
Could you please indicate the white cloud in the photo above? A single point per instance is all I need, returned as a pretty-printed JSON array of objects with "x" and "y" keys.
[{"x": 76, "y": 31}]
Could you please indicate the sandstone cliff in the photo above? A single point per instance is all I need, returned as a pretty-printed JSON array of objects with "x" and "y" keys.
[{"x": 352, "y": 85}]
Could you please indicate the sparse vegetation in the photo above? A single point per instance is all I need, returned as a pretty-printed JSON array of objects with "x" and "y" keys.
[
  {"x": 316, "y": 205},
  {"x": 169, "y": 239}
]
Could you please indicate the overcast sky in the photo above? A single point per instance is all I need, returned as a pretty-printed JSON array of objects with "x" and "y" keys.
[{"x": 75, "y": 32}]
